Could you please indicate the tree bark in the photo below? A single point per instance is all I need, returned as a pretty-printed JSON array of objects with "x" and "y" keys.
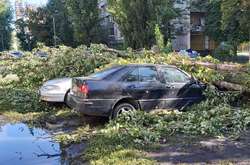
[
  {"x": 229, "y": 86},
  {"x": 235, "y": 49},
  {"x": 221, "y": 67}
]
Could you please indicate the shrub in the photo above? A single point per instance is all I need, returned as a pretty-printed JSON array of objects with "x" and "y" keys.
[
  {"x": 223, "y": 52},
  {"x": 159, "y": 38}
]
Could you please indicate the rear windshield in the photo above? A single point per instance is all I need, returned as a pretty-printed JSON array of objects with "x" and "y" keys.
[{"x": 104, "y": 73}]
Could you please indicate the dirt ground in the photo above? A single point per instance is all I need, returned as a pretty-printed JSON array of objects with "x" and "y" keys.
[{"x": 211, "y": 151}]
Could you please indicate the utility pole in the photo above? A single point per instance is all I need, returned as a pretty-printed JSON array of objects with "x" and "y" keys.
[
  {"x": 2, "y": 39},
  {"x": 2, "y": 42},
  {"x": 54, "y": 29},
  {"x": 249, "y": 45}
]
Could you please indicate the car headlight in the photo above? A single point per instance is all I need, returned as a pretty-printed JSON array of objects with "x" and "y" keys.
[{"x": 51, "y": 87}]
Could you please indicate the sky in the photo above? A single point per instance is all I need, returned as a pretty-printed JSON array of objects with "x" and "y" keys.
[
  {"x": 36, "y": 2},
  {"x": 33, "y": 2}
]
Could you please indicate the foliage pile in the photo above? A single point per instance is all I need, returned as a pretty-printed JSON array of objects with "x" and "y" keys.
[
  {"x": 64, "y": 61},
  {"x": 29, "y": 72},
  {"x": 202, "y": 73},
  {"x": 21, "y": 101},
  {"x": 32, "y": 71}
]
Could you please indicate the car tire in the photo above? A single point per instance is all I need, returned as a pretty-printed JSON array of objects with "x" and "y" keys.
[
  {"x": 66, "y": 99},
  {"x": 122, "y": 108}
]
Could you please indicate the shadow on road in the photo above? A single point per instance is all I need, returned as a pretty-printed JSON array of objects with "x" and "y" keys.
[{"x": 210, "y": 151}]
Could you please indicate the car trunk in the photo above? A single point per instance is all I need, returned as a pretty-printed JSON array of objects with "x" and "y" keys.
[{"x": 82, "y": 86}]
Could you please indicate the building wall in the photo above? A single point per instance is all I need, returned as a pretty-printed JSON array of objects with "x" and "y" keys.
[
  {"x": 114, "y": 34},
  {"x": 19, "y": 9},
  {"x": 181, "y": 39},
  {"x": 199, "y": 40}
]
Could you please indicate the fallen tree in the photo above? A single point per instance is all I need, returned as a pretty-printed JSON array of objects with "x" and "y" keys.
[
  {"x": 219, "y": 67},
  {"x": 222, "y": 67},
  {"x": 229, "y": 86}
]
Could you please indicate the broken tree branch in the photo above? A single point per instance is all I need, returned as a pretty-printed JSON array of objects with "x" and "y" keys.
[{"x": 118, "y": 52}]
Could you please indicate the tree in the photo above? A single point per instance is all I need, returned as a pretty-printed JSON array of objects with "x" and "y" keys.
[
  {"x": 27, "y": 40},
  {"x": 5, "y": 25},
  {"x": 228, "y": 20},
  {"x": 64, "y": 28},
  {"x": 137, "y": 19},
  {"x": 213, "y": 21},
  {"x": 235, "y": 21},
  {"x": 40, "y": 25},
  {"x": 84, "y": 15}
]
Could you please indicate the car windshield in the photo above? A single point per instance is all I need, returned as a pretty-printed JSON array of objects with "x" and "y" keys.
[{"x": 104, "y": 73}]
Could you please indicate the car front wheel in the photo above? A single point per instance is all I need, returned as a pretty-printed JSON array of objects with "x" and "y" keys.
[{"x": 123, "y": 108}]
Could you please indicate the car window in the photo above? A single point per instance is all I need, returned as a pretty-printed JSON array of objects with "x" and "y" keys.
[
  {"x": 148, "y": 74},
  {"x": 105, "y": 73},
  {"x": 133, "y": 76},
  {"x": 173, "y": 75}
]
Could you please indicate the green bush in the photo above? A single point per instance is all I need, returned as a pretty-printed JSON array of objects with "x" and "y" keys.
[
  {"x": 159, "y": 38},
  {"x": 223, "y": 52}
]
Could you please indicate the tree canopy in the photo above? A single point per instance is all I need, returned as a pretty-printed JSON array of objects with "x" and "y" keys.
[
  {"x": 76, "y": 22},
  {"x": 85, "y": 18},
  {"x": 5, "y": 24},
  {"x": 137, "y": 19},
  {"x": 236, "y": 21},
  {"x": 229, "y": 21}
]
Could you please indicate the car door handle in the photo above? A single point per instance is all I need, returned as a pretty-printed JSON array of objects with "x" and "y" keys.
[
  {"x": 169, "y": 86},
  {"x": 131, "y": 87}
]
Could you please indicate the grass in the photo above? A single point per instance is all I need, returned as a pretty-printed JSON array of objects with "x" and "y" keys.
[{"x": 124, "y": 157}]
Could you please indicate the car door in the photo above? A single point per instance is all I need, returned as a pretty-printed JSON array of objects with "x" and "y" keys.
[
  {"x": 152, "y": 90},
  {"x": 142, "y": 83},
  {"x": 182, "y": 90}
]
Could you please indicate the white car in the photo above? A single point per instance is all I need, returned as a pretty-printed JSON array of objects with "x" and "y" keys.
[{"x": 55, "y": 90}]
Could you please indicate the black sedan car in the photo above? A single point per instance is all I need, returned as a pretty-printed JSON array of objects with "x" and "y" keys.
[{"x": 125, "y": 88}]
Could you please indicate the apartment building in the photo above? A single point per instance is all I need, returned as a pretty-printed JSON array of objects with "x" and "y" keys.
[
  {"x": 199, "y": 40},
  {"x": 19, "y": 9}
]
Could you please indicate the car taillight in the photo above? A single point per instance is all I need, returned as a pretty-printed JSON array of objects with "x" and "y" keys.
[{"x": 84, "y": 89}]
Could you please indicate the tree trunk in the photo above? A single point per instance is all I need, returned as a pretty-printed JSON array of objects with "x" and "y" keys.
[
  {"x": 221, "y": 67},
  {"x": 235, "y": 49},
  {"x": 229, "y": 86}
]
